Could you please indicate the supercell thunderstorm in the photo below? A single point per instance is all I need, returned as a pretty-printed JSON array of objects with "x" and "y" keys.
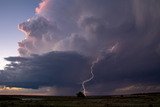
[{"x": 104, "y": 44}]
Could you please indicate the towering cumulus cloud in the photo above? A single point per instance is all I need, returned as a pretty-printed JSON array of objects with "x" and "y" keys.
[
  {"x": 40, "y": 36},
  {"x": 65, "y": 36}
]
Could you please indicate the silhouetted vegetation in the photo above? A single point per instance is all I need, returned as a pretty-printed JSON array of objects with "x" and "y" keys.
[
  {"x": 80, "y": 95},
  {"x": 5, "y": 98}
]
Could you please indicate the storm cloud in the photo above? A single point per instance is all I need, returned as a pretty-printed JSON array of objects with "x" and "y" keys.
[
  {"x": 65, "y": 36},
  {"x": 59, "y": 69}
]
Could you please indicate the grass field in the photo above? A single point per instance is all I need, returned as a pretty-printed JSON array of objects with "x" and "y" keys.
[{"x": 136, "y": 100}]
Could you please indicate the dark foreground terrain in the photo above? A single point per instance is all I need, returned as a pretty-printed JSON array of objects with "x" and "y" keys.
[{"x": 135, "y": 100}]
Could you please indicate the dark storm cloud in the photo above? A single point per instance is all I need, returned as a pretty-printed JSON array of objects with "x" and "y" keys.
[
  {"x": 140, "y": 69},
  {"x": 14, "y": 59},
  {"x": 68, "y": 70},
  {"x": 61, "y": 69},
  {"x": 90, "y": 28}
]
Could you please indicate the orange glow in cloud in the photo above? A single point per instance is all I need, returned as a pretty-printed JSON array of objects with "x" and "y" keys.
[
  {"x": 10, "y": 88},
  {"x": 42, "y": 5},
  {"x": 4, "y": 90}
]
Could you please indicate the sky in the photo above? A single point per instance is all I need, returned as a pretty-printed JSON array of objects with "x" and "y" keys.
[
  {"x": 12, "y": 13},
  {"x": 61, "y": 47}
]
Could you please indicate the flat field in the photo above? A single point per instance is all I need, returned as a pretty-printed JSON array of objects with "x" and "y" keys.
[{"x": 134, "y": 100}]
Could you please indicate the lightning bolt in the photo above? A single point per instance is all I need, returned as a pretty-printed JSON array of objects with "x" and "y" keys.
[
  {"x": 113, "y": 48},
  {"x": 92, "y": 75},
  {"x": 99, "y": 57}
]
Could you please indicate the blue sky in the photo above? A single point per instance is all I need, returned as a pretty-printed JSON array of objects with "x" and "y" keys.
[{"x": 13, "y": 12}]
